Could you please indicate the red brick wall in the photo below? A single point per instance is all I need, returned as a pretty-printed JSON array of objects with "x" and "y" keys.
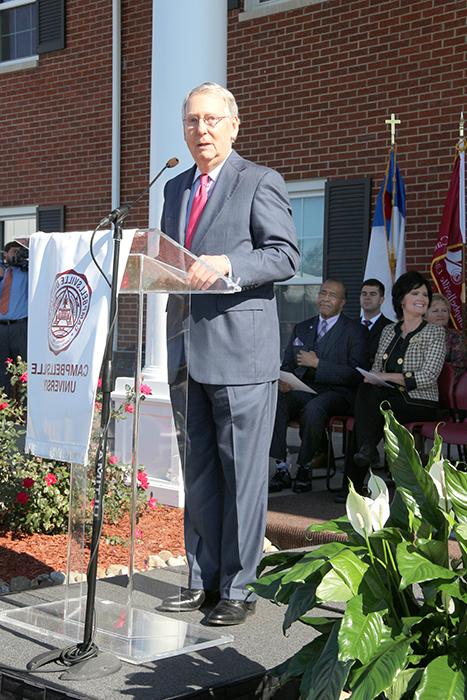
[
  {"x": 56, "y": 118},
  {"x": 314, "y": 87}
]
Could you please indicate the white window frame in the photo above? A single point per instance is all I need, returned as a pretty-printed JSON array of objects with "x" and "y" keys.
[
  {"x": 298, "y": 189},
  {"x": 12, "y": 213},
  {"x": 255, "y": 8},
  {"x": 26, "y": 61}
]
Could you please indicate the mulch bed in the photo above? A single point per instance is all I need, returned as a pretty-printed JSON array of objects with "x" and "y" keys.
[{"x": 31, "y": 555}]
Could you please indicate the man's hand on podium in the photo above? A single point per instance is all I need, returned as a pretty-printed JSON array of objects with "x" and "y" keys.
[{"x": 201, "y": 277}]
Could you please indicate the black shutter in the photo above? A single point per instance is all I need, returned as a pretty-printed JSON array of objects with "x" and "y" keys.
[
  {"x": 233, "y": 4},
  {"x": 346, "y": 233},
  {"x": 51, "y": 218},
  {"x": 50, "y": 25}
]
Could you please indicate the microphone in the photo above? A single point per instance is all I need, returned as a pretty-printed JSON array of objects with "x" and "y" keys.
[{"x": 120, "y": 213}]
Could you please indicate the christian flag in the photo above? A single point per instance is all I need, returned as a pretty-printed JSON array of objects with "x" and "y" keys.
[
  {"x": 386, "y": 252},
  {"x": 446, "y": 264}
]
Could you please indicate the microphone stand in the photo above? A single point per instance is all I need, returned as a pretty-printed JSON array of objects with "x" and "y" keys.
[{"x": 85, "y": 658}]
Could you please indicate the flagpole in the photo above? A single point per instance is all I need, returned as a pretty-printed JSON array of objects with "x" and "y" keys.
[
  {"x": 461, "y": 149},
  {"x": 392, "y": 258}
]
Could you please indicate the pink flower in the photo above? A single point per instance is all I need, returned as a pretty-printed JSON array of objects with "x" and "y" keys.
[
  {"x": 22, "y": 497},
  {"x": 50, "y": 479},
  {"x": 129, "y": 408},
  {"x": 92, "y": 504},
  {"x": 28, "y": 483},
  {"x": 24, "y": 378},
  {"x": 143, "y": 480},
  {"x": 99, "y": 383},
  {"x": 9, "y": 361},
  {"x": 3, "y": 405},
  {"x": 98, "y": 405},
  {"x": 145, "y": 389},
  {"x": 152, "y": 503},
  {"x": 138, "y": 533},
  {"x": 113, "y": 459}
]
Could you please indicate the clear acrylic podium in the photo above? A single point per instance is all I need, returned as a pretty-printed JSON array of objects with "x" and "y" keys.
[{"x": 123, "y": 627}]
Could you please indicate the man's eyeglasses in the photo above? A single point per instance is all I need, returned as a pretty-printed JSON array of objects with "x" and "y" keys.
[{"x": 211, "y": 121}]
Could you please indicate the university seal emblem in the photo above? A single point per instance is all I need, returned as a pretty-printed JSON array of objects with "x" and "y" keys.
[{"x": 68, "y": 308}]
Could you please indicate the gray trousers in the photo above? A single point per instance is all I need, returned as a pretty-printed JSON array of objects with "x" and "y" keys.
[{"x": 228, "y": 433}]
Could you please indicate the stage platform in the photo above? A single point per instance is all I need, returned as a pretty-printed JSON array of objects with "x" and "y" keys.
[{"x": 235, "y": 670}]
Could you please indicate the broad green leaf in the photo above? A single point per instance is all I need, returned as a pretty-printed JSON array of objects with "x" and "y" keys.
[
  {"x": 435, "y": 453},
  {"x": 278, "y": 559},
  {"x": 415, "y": 568},
  {"x": 301, "y": 601},
  {"x": 360, "y": 635},
  {"x": 434, "y": 550},
  {"x": 332, "y": 589},
  {"x": 371, "y": 680},
  {"x": 341, "y": 525},
  {"x": 402, "y": 682},
  {"x": 297, "y": 664},
  {"x": 320, "y": 624},
  {"x": 325, "y": 679},
  {"x": 456, "y": 486},
  {"x": 440, "y": 682},
  {"x": 350, "y": 568},
  {"x": 454, "y": 589},
  {"x": 326, "y": 551},
  {"x": 302, "y": 571},
  {"x": 417, "y": 487},
  {"x": 268, "y": 585}
]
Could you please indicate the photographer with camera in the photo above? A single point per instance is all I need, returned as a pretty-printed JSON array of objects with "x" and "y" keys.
[{"x": 13, "y": 307}]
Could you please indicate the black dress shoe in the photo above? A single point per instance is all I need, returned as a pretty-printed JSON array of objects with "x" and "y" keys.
[
  {"x": 302, "y": 481},
  {"x": 281, "y": 480},
  {"x": 230, "y": 612},
  {"x": 188, "y": 600},
  {"x": 366, "y": 456}
]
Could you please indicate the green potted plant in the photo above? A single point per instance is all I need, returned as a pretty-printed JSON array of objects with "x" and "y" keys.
[{"x": 387, "y": 608}]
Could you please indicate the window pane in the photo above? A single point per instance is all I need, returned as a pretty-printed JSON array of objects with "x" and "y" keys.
[{"x": 17, "y": 32}]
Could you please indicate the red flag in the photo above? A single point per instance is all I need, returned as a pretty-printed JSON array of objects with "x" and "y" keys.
[{"x": 446, "y": 263}]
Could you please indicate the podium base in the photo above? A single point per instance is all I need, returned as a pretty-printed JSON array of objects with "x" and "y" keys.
[{"x": 132, "y": 634}]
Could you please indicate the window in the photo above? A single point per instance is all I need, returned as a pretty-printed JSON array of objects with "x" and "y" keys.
[
  {"x": 18, "y": 29},
  {"x": 297, "y": 297},
  {"x": 16, "y": 222}
]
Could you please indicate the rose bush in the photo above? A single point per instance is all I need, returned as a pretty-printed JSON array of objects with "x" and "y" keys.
[{"x": 35, "y": 492}]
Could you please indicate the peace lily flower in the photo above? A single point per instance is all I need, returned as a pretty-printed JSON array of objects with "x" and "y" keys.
[
  {"x": 437, "y": 474},
  {"x": 368, "y": 515}
]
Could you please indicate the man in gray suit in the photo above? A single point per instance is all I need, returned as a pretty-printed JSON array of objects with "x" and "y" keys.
[{"x": 244, "y": 230}]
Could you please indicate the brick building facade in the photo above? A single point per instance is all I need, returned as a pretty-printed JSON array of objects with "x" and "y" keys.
[{"x": 314, "y": 80}]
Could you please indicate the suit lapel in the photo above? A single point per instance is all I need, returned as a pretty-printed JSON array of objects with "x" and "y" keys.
[
  {"x": 225, "y": 186},
  {"x": 310, "y": 338},
  {"x": 331, "y": 338},
  {"x": 183, "y": 195}
]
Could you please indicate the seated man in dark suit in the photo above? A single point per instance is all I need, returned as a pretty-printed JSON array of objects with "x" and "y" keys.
[
  {"x": 323, "y": 352},
  {"x": 371, "y": 301}
]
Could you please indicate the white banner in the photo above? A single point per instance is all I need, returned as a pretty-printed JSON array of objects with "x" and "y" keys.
[{"x": 68, "y": 316}]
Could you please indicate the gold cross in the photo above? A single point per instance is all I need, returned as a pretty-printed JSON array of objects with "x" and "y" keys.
[{"x": 393, "y": 121}]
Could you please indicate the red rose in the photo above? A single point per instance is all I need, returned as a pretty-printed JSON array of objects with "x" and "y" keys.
[
  {"x": 129, "y": 408},
  {"x": 143, "y": 479},
  {"x": 152, "y": 503},
  {"x": 113, "y": 459},
  {"x": 22, "y": 497},
  {"x": 24, "y": 377},
  {"x": 145, "y": 389},
  {"x": 3, "y": 405},
  {"x": 50, "y": 479},
  {"x": 99, "y": 383},
  {"x": 28, "y": 483},
  {"x": 9, "y": 361}
]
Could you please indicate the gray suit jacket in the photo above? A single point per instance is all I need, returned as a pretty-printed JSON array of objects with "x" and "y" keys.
[{"x": 234, "y": 338}]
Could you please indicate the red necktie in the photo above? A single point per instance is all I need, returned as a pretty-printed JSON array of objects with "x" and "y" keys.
[
  {"x": 6, "y": 289},
  {"x": 197, "y": 206}
]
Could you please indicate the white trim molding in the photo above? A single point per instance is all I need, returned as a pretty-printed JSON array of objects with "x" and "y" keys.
[{"x": 255, "y": 8}]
